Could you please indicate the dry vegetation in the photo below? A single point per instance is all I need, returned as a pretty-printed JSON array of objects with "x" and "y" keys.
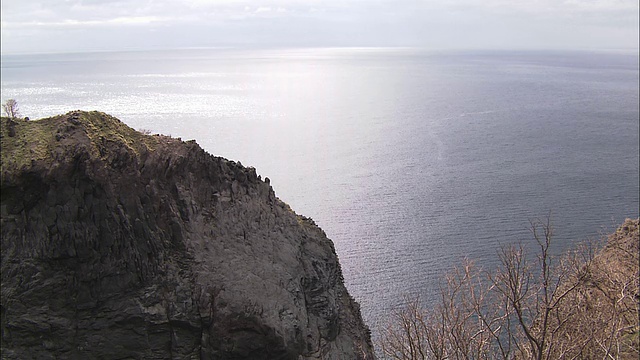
[
  {"x": 10, "y": 108},
  {"x": 583, "y": 305}
]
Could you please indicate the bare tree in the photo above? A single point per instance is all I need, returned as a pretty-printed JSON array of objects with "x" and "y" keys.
[
  {"x": 579, "y": 305},
  {"x": 11, "y": 108}
]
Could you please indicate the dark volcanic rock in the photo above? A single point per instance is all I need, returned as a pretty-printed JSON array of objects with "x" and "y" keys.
[{"x": 121, "y": 245}]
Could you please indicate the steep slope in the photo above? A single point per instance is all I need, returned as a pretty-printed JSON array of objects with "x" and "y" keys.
[
  {"x": 122, "y": 245},
  {"x": 607, "y": 303}
]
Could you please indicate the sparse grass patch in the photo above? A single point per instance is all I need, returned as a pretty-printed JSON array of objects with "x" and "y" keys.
[{"x": 25, "y": 142}]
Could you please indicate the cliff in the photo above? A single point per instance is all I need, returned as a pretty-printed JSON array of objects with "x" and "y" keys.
[{"x": 121, "y": 245}]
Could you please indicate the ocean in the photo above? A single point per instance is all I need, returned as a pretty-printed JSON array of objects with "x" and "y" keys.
[{"x": 410, "y": 160}]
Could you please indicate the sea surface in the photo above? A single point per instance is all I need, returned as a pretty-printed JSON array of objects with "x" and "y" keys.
[{"x": 410, "y": 160}]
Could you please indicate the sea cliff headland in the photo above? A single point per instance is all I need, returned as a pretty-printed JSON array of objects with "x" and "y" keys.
[{"x": 139, "y": 246}]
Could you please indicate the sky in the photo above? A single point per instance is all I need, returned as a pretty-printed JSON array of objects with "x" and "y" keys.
[{"x": 43, "y": 26}]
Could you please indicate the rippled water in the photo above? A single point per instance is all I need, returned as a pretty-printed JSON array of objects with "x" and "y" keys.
[{"x": 409, "y": 160}]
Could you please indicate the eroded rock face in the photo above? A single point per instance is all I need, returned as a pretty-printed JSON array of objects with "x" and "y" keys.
[{"x": 119, "y": 245}]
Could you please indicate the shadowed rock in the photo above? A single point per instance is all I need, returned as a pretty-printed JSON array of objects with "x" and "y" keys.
[{"x": 117, "y": 244}]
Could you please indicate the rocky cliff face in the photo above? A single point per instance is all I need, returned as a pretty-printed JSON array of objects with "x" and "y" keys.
[{"x": 122, "y": 245}]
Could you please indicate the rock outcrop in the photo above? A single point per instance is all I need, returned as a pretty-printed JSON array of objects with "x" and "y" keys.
[{"x": 119, "y": 245}]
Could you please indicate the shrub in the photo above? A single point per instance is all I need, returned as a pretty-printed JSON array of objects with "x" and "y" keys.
[
  {"x": 580, "y": 305},
  {"x": 11, "y": 108}
]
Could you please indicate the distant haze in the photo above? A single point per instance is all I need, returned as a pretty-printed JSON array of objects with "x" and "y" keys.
[{"x": 33, "y": 26}]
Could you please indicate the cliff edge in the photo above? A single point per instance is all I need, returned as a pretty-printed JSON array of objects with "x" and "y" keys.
[{"x": 121, "y": 245}]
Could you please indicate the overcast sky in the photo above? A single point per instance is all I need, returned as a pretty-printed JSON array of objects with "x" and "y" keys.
[{"x": 88, "y": 25}]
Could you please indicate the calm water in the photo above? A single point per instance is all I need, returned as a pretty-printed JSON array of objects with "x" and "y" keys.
[{"x": 409, "y": 160}]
